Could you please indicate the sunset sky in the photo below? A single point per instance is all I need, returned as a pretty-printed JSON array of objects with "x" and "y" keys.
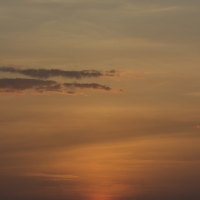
[{"x": 99, "y": 100}]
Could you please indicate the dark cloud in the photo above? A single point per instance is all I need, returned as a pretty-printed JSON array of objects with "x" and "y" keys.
[
  {"x": 94, "y": 86},
  {"x": 17, "y": 85},
  {"x": 48, "y": 73},
  {"x": 21, "y": 84}
]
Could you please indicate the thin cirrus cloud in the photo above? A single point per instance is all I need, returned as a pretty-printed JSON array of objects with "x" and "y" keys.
[
  {"x": 20, "y": 85},
  {"x": 49, "y": 73}
]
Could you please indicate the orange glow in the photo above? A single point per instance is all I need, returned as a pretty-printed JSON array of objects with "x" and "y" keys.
[
  {"x": 99, "y": 197},
  {"x": 99, "y": 100}
]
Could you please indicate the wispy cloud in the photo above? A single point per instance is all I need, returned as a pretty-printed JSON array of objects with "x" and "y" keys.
[
  {"x": 49, "y": 73},
  {"x": 54, "y": 176},
  {"x": 194, "y": 94},
  {"x": 165, "y": 9}
]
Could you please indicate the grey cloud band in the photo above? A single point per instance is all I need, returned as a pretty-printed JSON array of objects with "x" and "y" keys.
[
  {"x": 21, "y": 84},
  {"x": 49, "y": 73}
]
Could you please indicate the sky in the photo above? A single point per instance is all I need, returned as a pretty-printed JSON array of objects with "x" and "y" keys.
[{"x": 99, "y": 100}]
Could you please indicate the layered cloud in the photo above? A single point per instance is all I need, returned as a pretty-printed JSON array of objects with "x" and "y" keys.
[
  {"x": 49, "y": 73},
  {"x": 38, "y": 82}
]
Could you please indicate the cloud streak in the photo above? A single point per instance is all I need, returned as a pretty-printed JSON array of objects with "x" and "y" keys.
[
  {"x": 49, "y": 73},
  {"x": 93, "y": 86},
  {"x": 19, "y": 85},
  {"x": 54, "y": 176}
]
